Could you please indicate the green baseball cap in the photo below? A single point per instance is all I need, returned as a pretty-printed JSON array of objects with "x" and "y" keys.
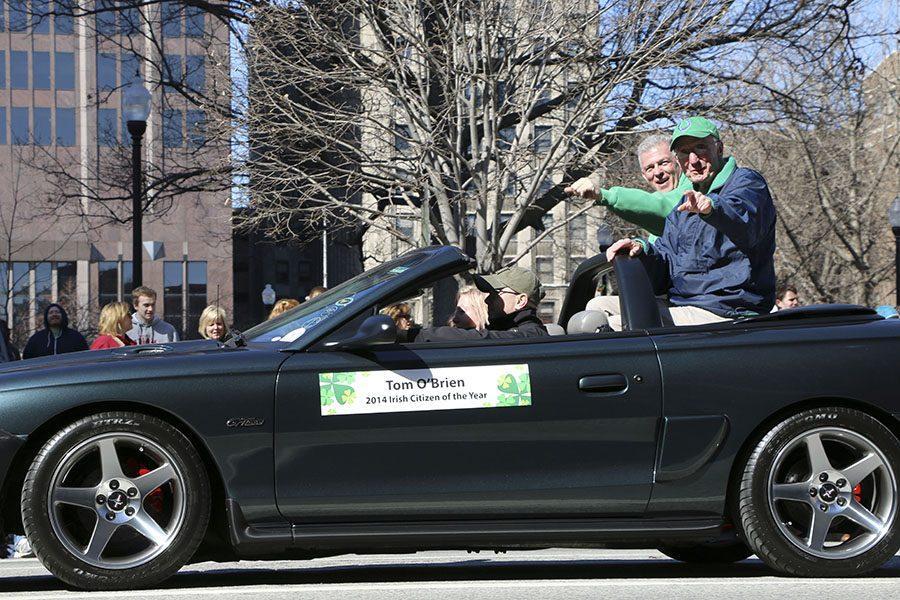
[
  {"x": 698, "y": 127},
  {"x": 522, "y": 281}
]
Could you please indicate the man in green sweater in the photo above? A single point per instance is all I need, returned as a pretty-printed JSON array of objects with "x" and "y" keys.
[{"x": 647, "y": 210}]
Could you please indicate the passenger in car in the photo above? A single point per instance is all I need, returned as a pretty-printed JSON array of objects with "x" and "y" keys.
[
  {"x": 660, "y": 168},
  {"x": 512, "y": 297},
  {"x": 401, "y": 313},
  {"x": 715, "y": 258},
  {"x": 471, "y": 311}
]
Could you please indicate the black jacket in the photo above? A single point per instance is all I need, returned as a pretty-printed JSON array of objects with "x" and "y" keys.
[
  {"x": 43, "y": 343},
  {"x": 522, "y": 324},
  {"x": 12, "y": 353}
]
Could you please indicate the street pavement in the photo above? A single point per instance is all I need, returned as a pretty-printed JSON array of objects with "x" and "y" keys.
[{"x": 554, "y": 574}]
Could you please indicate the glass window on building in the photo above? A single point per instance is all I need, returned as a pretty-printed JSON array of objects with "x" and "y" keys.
[
  {"x": 131, "y": 65},
  {"x": 18, "y": 66},
  {"x": 67, "y": 288},
  {"x": 65, "y": 127},
  {"x": 127, "y": 280},
  {"x": 18, "y": 16},
  {"x": 195, "y": 72},
  {"x": 282, "y": 272},
  {"x": 40, "y": 16},
  {"x": 544, "y": 267},
  {"x": 106, "y": 18},
  {"x": 194, "y": 21},
  {"x": 40, "y": 70},
  {"x": 19, "y": 122},
  {"x": 172, "y": 128},
  {"x": 21, "y": 303},
  {"x": 173, "y": 69},
  {"x": 42, "y": 128},
  {"x": 107, "y": 122},
  {"x": 43, "y": 289},
  {"x": 64, "y": 24},
  {"x": 543, "y": 138},
  {"x": 108, "y": 282},
  {"x": 129, "y": 20},
  {"x": 2, "y": 125},
  {"x": 2, "y": 68},
  {"x": 3, "y": 28},
  {"x": 173, "y": 292},
  {"x": 171, "y": 18},
  {"x": 197, "y": 294},
  {"x": 106, "y": 72},
  {"x": 196, "y": 128},
  {"x": 4, "y": 271},
  {"x": 402, "y": 137},
  {"x": 578, "y": 231},
  {"x": 65, "y": 70}
]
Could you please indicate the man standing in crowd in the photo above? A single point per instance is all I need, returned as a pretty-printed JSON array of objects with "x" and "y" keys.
[
  {"x": 648, "y": 210},
  {"x": 715, "y": 258},
  {"x": 147, "y": 328},
  {"x": 8, "y": 352},
  {"x": 513, "y": 294},
  {"x": 56, "y": 337},
  {"x": 787, "y": 297}
]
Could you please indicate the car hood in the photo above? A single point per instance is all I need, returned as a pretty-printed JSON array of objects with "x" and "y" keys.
[{"x": 126, "y": 353}]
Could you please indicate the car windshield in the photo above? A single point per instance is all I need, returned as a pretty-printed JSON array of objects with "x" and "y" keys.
[{"x": 295, "y": 323}]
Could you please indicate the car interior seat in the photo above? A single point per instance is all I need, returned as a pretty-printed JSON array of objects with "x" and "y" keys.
[
  {"x": 587, "y": 321},
  {"x": 554, "y": 329}
]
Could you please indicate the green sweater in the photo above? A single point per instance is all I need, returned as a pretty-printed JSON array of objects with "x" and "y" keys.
[{"x": 645, "y": 209}]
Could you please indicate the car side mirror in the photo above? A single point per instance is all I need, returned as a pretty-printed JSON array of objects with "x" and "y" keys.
[{"x": 376, "y": 330}]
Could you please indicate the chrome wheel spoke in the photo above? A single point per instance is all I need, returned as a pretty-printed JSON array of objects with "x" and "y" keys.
[
  {"x": 101, "y": 535},
  {"x": 862, "y": 469},
  {"x": 155, "y": 478},
  {"x": 861, "y": 515},
  {"x": 83, "y": 497},
  {"x": 818, "y": 459},
  {"x": 110, "y": 467},
  {"x": 797, "y": 492},
  {"x": 818, "y": 529},
  {"x": 150, "y": 529}
]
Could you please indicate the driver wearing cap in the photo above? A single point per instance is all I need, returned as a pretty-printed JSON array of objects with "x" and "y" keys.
[{"x": 513, "y": 294}]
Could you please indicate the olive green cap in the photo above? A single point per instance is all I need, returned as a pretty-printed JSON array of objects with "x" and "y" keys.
[
  {"x": 698, "y": 127},
  {"x": 522, "y": 281}
]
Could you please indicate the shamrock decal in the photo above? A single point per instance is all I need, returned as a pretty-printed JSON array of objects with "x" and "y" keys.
[
  {"x": 336, "y": 388},
  {"x": 514, "y": 391}
]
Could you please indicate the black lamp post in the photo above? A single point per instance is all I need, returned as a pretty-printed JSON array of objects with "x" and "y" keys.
[
  {"x": 136, "y": 105},
  {"x": 894, "y": 218}
]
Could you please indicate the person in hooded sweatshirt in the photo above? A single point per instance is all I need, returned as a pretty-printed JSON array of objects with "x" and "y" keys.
[
  {"x": 56, "y": 337},
  {"x": 147, "y": 328}
]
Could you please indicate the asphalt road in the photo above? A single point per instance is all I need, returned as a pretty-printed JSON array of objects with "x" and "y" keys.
[{"x": 540, "y": 575}]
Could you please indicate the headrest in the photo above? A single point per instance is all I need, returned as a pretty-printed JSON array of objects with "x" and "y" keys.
[
  {"x": 587, "y": 321},
  {"x": 554, "y": 329}
]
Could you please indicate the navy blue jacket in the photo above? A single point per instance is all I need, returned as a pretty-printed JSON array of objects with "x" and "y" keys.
[
  {"x": 723, "y": 262},
  {"x": 42, "y": 343}
]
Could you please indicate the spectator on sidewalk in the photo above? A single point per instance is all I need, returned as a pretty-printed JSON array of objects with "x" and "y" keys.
[
  {"x": 115, "y": 320},
  {"x": 316, "y": 291},
  {"x": 8, "y": 352},
  {"x": 787, "y": 297},
  {"x": 56, "y": 337},
  {"x": 147, "y": 328},
  {"x": 282, "y": 306},
  {"x": 212, "y": 325}
]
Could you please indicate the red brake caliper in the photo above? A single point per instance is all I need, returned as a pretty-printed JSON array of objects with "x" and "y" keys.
[
  {"x": 154, "y": 499},
  {"x": 857, "y": 493}
]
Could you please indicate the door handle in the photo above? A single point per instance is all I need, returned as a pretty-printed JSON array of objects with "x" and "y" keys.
[{"x": 603, "y": 384}]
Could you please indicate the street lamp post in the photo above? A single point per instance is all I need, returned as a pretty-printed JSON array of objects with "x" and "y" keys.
[
  {"x": 894, "y": 218},
  {"x": 136, "y": 105}
]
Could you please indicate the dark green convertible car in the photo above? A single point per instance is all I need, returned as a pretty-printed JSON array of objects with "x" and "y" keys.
[{"x": 317, "y": 433}]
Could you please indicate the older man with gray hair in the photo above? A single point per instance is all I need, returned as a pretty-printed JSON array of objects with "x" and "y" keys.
[{"x": 645, "y": 209}]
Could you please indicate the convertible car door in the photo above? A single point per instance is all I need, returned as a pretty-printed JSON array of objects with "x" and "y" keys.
[{"x": 359, "y": 436}]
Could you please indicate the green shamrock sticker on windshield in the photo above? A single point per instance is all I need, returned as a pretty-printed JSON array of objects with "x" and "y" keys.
[
  {"x": 336, "y": 388},
  {"x": 515, "y": 389}
]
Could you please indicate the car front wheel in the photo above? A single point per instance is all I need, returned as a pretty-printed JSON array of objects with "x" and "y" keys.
[
  {"x": 818, "y": 496},
  {"x": 116, "y": 500}
]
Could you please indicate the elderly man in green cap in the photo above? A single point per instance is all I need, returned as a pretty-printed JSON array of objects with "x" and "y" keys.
[
  {"x": 513, "y": 294},
  {"x": 715, "y": 257}
]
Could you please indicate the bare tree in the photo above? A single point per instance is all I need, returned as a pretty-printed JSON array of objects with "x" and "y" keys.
[{"x": 479, "y": 111}]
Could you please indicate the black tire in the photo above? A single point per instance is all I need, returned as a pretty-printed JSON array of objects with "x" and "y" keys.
[
  {"x": 769, "y": 536},
  {"x": 194, "y": 503},
  {"x": 712, "y": 553}
]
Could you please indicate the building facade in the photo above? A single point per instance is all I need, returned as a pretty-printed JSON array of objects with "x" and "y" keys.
[{"x": 65, "y": 162}]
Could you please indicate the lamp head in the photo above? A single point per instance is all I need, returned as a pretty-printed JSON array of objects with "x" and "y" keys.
[{"x": 136, "y": 101}]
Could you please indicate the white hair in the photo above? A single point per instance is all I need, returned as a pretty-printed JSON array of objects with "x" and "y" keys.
[{"x": 651, "y": 142}]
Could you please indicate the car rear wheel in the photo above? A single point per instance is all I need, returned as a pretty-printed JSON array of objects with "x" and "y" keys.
[
  {"x": 116, "y": 500},
  {"x": 712, "y": 553},
  {"x": 818, "y": 495}
]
